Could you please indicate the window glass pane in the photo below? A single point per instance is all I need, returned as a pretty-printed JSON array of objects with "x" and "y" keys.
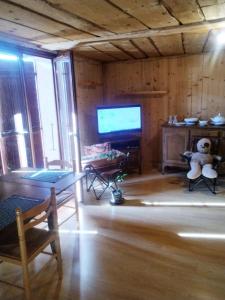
[{"x": 15, "y": 141}]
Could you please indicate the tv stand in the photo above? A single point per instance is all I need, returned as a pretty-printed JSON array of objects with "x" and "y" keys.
[{"x": 128, "y": 144}]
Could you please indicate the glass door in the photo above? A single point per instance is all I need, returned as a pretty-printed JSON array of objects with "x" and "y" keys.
[
  {"x": 37, "y": 111},
  {"x": 41, "y": 103},
  {"x": 67, "y": 117}
]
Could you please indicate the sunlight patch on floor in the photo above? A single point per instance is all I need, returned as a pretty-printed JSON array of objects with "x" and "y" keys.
[
  {"x": 80, "y": 232},
  {"x": 217, "y": 236},
  {"x": 183, "y": 203}
]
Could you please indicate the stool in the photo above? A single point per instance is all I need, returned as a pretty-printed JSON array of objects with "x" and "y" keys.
[{"x": 106, "y": 178}]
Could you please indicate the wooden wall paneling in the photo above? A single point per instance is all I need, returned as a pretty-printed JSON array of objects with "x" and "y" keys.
[
  {"x": 213, "y": 85},
  {"x": 116, "y": 83},
  {"x": 158, "y": 110},
  {"x": 183, "y": 85},
  {"x": 112, "y": 50},
  {"x": 220, "y": 80},
  {"x": 89, "y": 93},
  {"x": 130, "y": 80},
  {"x": 194, "y": 42},
  {"x": 146, "y": 46},
  {"x": 216, "y": 89},
  {"x": 163, "y": 84},
  {"x": 147, "y": 135},
  {"x": 99, "y": 12},
  {"x": 129, "y": 48},
  {"x": 120, "y": 84},
  {"x": 93, "y": 53},
  {"x": 60, "y": 15},
  {"x": 112, "y": 83},
  {"x": 147, "y": 112},
  {"x": 27, "y": 33},
  {"x": 142, "y": 10},
  {"x": 206, "y": 86},
  {"x": 32, "y": 20},
  {"x": 169, "y": 45},
  {"x": 196, "y": 65},
  {"x": 195, "y": 86},
  {"x": 172, "y": 87},
  {"x": 142, "y": 75},
  {"x": 109, "y": 71},
  {"x": 187, "y": 11}
]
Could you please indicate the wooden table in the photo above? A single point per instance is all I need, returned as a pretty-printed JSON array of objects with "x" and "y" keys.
[
  {"x": 61, "y": 185},
  {"x": 15, "y": 184}
]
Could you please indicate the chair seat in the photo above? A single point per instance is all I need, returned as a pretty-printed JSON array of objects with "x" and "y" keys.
[
  {"x": 64, "y": 197},
  {"x": 111, "y": 173},
  {"x": 26, "y": 240},
  {"x": 35, "y": 238}
]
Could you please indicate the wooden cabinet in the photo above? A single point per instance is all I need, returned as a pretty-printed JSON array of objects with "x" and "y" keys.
[
  {"x": 131, "y": 145},
  {"x": 176, "y": 140}
]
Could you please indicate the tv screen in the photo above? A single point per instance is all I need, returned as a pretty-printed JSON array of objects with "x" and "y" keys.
[{"x": 120, "y": 118}]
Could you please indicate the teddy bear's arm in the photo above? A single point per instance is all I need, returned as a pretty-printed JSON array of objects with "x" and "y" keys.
[{"x": 188, "y": 153}]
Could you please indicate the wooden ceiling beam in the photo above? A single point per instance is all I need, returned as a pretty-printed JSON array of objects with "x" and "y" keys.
[{"x": 188, "y": 28}]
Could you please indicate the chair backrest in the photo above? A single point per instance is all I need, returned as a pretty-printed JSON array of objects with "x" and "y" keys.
[
  {"x": 59, "y": 164},
  {"x": 36, "y": 215}
]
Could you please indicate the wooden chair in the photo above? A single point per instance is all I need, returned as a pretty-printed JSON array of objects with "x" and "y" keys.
[
  {"x": 59, "y": 164},
  {"x": 28, "y": 241},
  {"x": 209, "y": 183},
  {"x": 102, "y": 175},
  {"x": 66, "y": 195}
]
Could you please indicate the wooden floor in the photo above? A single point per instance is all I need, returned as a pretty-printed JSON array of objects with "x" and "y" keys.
[{"x": 134, "y": 251}]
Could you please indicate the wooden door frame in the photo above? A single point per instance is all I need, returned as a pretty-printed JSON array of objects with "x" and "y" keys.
[{"x": 72, "y": 85}]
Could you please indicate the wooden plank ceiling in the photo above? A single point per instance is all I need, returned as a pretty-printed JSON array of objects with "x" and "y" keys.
[{"x": 112, "y": 30}]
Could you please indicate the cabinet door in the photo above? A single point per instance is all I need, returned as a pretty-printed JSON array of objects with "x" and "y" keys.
[
  {"x": 222, "y": 144},
  {"x": 205, "y": 132},
  {"x": 175, "y": 142}
]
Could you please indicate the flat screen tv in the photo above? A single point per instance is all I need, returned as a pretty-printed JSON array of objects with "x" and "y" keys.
[{"x": 113, "y": 119}]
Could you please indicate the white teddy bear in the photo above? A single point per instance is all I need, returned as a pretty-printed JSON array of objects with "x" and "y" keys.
[{"x": 201, "y": 161}]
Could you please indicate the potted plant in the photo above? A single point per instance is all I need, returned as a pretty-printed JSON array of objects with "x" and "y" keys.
[{"x": 117, "y": 194}]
